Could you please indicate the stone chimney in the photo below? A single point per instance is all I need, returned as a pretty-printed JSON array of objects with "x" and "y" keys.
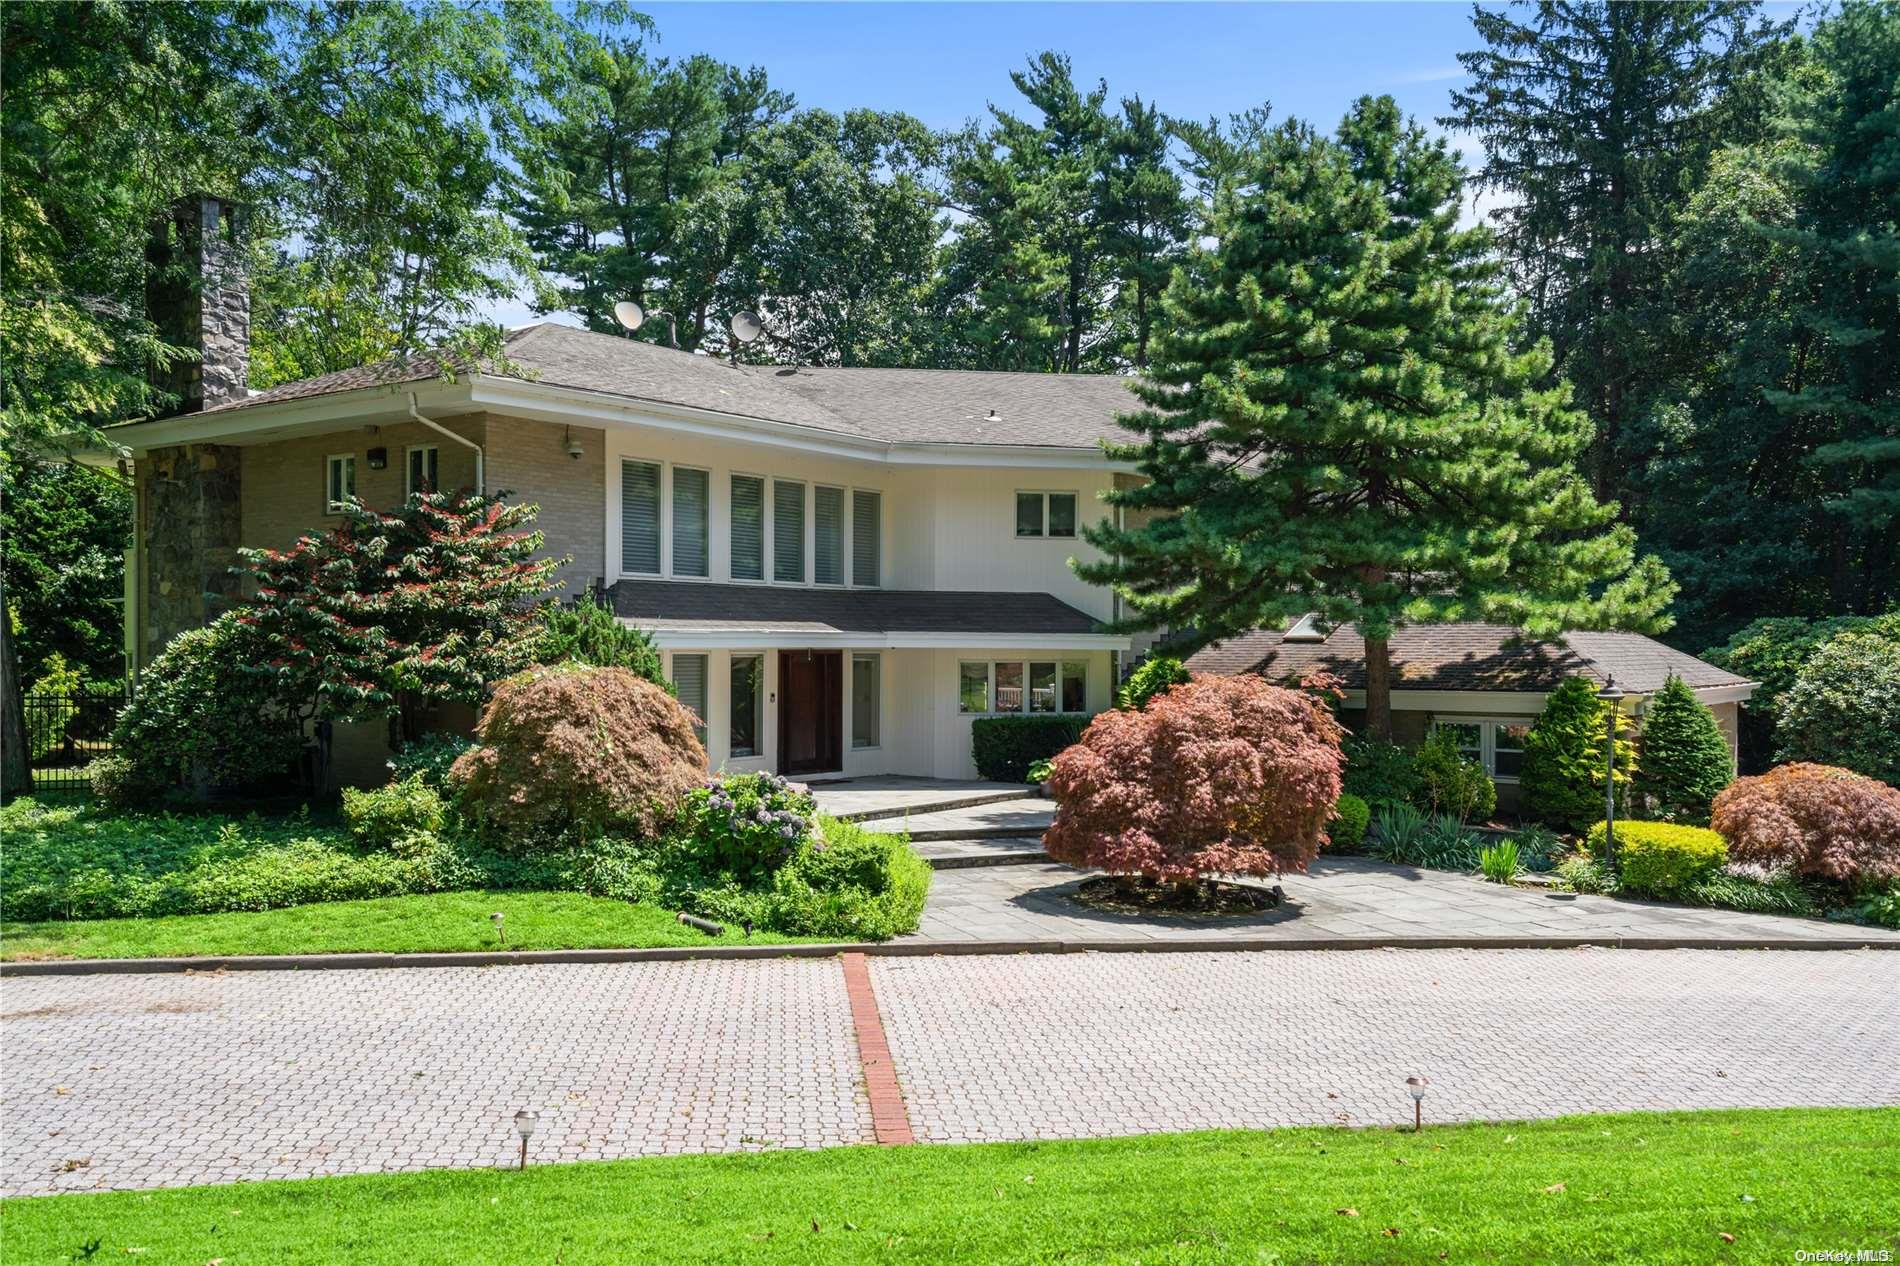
[{"x": 199, "y": 297}]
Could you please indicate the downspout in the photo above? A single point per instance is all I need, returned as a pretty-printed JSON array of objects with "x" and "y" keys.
[{"x": 481, "y": 484}]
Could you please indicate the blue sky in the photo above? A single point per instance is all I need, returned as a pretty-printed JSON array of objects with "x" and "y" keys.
[{"x": 945, "y": 63}]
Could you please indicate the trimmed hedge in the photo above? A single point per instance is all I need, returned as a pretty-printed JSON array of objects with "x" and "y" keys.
[
  {"x": 1347, "y": 830},
  {"x": 1005, "y": 747},
  {"x": 1662, "y": 859}
]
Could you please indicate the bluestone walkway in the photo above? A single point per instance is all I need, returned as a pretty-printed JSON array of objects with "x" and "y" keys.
[{"x": 147, "y": 1081}]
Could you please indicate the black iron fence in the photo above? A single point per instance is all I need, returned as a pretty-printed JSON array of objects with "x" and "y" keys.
[{"x": 65, "y": 733}]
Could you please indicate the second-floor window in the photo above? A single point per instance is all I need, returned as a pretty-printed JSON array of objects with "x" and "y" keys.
[
  {"x": 1045, "y": 514},
  {"x": 867, "y": 527},
  {"x": 788, "y": 531},
  {"x": 827, "y": 516},
  {"x": 692, "y": 514},
  {"x": 640, "y": 518},
  {"x": 748, "y": 527}
]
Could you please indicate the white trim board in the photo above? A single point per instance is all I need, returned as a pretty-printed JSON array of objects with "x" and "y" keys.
[{"x": 801, "y": 639}]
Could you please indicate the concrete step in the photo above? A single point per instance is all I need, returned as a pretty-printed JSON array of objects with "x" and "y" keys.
[
  {"x": 1018, "y": 817},
  {"x": 932, "y": 803},
  {"x": 963, "y": 854}
]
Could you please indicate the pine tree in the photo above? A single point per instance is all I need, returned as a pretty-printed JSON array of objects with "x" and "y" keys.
[
  {"x": 1595, "y": 116},
  {"x": 1144, "y": 218},
  {"x": 1336, "y": 422},
  {"x": 1684, "y": 759}
]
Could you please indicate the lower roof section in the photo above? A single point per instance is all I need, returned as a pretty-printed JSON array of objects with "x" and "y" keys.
[{"x": 695, "y": 614}]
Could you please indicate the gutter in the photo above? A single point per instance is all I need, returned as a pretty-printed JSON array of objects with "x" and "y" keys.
[{"x": 481, "y": 482}]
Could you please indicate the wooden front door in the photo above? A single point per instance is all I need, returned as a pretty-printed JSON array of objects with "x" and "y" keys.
[{"x": 810, "y": 711}]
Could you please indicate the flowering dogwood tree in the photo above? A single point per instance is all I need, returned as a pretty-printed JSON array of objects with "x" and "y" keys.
[{"x": 1222, "y": 775}]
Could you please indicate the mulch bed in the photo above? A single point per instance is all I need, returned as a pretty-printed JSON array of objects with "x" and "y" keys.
[{"x": 1215, "y": 900}]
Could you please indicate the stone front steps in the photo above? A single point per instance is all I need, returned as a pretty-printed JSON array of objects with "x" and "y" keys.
[
  {"x": 1017, "y": 817},
  {"x": 962, "y": 854}
]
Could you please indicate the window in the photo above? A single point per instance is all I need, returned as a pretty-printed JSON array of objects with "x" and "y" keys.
[
  {"x": 864, "y": 700},
  {"x": 1009, "y": 687},
  {"x": 788, "y": 531},
  {"x": 1497, "y": 745},
  {"x": 689, "y": 682},
  {"x": 748, "y": 527},
  {"x": 422, "y": 469},
  {"x": 973, "y": 687},
  {"x": 827, "y": 516},
  {"x": 691, "y": 494},
  {"x": 1507, "y": 748},
  {"x": 867, "y": 526},
  {"x": 640, "y": 518},
  {"x": 1045, "y": 514},
  {"x": 748, "y": 679},
  {"x": 1042, "y": 688},
  {"x": 339, "y": 482},
  {"x": 1075, "y": 682}
]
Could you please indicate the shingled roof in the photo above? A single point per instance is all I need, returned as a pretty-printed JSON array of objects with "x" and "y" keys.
[
  {"x": 933, "y": 406},
  {"x": 662, "y": 606},
  {"x": 1467, "y": 656}
]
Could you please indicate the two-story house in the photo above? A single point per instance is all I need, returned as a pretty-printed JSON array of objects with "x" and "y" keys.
[{"x": 843, "y": 568}]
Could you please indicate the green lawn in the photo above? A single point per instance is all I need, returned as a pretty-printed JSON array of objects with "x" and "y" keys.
[
  {"x": 435, "y": 921},
  {"x": 1644, "y": 1188}
]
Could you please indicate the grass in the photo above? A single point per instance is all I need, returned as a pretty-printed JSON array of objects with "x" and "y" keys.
[
  {"x": 431, "y": 922},
  {"x": 1650, "y": 1188}
]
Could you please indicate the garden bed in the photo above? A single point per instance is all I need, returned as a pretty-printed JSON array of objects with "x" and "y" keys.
[{"x": 1755, "y": 1186}]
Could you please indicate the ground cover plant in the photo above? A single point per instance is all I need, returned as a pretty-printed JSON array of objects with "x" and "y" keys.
[{"x": 1663, "y": 1188}]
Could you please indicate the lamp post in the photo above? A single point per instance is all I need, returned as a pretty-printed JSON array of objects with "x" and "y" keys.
[
  {"x": 1416, "y": 1087},
  {"x": 524, "y": 1123},
  {"x": 1611, "y": 694}
]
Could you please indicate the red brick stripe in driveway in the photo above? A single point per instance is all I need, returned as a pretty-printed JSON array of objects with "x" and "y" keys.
[{"x": 889, "y": 1121}]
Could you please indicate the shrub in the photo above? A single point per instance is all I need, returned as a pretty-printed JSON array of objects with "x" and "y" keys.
[
  {"x": 845, "y": 882},
  {"x": 578, "y": 749},
  {"x": 1451, "y": 783},
  {"x": 1224, "y": 775},
  {"x": 1379, "y": 772},
  {"x": 1818, "y": 820},
  {"x": 201, "y": 719},
  {"x": 1880, "y": 906},
  {"x": 1005, "y": 747},
  {"x": 1562, "y": 776},
  {"x": 1780, "y": 893},
  {"x": 1498, "y": 863},
  {"x": 1151, "y": 677},
  {"x": 1396, "y": 827},
  {"x": 429, "y": 757},
  {"x": 118, "y": 784},
  {"x": 1348, "y": 827},
  {"x": 404, "y": 817},
  {"x": 1772, "y": 652},
  {"x": 1039, "y": 770},
  {"x": 1537, "y": 846},
  {"x": 52, "y": 704},
  {"x": 739, "y": 829},
  {"x": 1683, "y": 760},
  {"x": 1581, "y": 872},
  {"x": 1844, "y": 707},
  {"x": 1661, "y": 858},
  {"x": 1412, "y": 838},
  {"x": 586, "y": 632}
]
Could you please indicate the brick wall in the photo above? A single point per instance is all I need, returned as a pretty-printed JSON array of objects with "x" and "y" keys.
[{"x": 530, "y": 460}]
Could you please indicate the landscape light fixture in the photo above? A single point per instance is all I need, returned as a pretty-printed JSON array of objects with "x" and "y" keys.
[
  {"x": 1611, "y": 694},
  {"x": 1416, "y": 1086},
  {"x": 633, "y": 316},
  {"x": 500, "y": 931},
  {"x": 525, "y": 1121}
]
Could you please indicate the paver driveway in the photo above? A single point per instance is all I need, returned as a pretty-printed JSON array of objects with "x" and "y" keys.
[{"x": 155, "y": 1080}]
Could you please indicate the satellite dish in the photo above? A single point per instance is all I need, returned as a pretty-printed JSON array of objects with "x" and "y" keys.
[
  {"x": 746, "y": 325},
  {"x": 629, "y": 314}
]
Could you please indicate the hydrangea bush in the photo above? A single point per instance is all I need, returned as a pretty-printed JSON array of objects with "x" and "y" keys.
[
  {"x": 1222, "y": 775},
  {"x": 744, "y": 827}
]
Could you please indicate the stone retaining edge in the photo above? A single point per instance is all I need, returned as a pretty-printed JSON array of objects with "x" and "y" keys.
[{"x": 911, "y": 949}]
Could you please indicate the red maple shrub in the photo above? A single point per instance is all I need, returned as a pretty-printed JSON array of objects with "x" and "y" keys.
[
  {"x": 1223, "y": 775},
  {"x": 1819, "y": 819},
  {"x": 575, "y": 748}
]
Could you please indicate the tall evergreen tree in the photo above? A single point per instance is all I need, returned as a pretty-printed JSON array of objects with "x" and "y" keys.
[
  {"x": 1336, "y": 421},
  {"x": 1595, "y": 116},
  {"x": 1144, "y": 221},
  {"x": 1683, "y": 759}
]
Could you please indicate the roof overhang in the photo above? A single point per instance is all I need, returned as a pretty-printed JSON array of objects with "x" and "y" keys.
[
  {"x": 1523, "y": 702},
  {"x": 389, "y": 403},
  {"x": 799, "y": 637}
]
